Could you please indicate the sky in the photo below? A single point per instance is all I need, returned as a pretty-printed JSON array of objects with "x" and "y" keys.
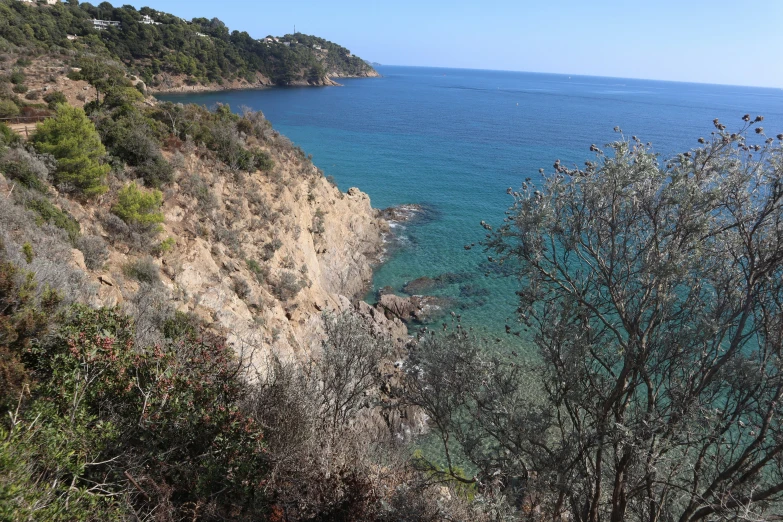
[{"x": 718, "y": 41}]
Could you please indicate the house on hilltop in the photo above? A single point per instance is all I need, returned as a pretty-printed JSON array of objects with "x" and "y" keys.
[
  {"x": 104, "y": 24},
  {"x": 147, "y": 20}
]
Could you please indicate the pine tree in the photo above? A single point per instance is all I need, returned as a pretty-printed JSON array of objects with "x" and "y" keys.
[{"x": 72, "y": 139}]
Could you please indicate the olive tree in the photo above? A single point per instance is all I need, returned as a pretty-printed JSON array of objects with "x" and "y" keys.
[{"x": 653, "y": 296}]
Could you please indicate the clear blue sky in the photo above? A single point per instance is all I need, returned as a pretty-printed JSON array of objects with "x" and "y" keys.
[{"x": 717, "y": 41}]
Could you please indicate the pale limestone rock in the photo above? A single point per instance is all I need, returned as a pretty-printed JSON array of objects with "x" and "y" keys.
[{"x": 78, "y": 259}]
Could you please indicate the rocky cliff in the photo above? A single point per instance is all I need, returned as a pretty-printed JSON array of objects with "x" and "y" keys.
[{"x": 258, "y": 256}]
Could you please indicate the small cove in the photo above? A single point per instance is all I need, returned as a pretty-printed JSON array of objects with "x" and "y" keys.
[{"x": 454, "y": 140}]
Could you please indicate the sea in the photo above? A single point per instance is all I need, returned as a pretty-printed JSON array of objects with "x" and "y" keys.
[{"x": 452, "y": 141}]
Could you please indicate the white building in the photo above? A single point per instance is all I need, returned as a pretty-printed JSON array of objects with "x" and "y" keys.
[
  {"x": 146, "y": 19},
  {"x": 104, "y": 24}
]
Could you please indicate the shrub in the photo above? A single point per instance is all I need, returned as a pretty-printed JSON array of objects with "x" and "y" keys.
[
  {"x": 7, "y": 136},
  {"x": 55, "y": 98},
  {"x": 25, "y": 314},
  {"x": 107, "y": 404},
  {"x": 263, "y": 161},
  {"x": 155, "y": 171},
  {"x": 72, "y": 139},
  {"x": 27, "y": 250},
  {"x": 288, "y": 286},
  {"x": 20, "y": 89},
  {"x": 17, "y": 77},
  {"x": 165, "y": 246},
  {"x": 195, "y": 186},
  {"x": 181, "y": 326},
  {"x": 139, "y": 207},
  {"x": 269, "y": 249},
  {"x": 143, "y": 270},
  {"x": 241, "y": 287},
  {"x": 95, "y": 251},
  {"x": 49, "y": 213},
  {"x": 28, "y": 169},
  {"x": 8, "y": 109},
  {"x": 261, "y": 272},
  {"x": 33, "y": 95},
  {"x": 114, "y": 225}
]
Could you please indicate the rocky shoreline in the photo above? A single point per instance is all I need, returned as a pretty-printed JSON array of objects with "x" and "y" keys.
[{"x": 178, "y": 85}]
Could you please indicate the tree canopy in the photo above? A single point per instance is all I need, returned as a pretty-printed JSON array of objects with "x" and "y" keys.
[
  {"x": 203, "y": 49},
  {"x": 72, "y": 139},
  {"x": 653, "y": 293}
]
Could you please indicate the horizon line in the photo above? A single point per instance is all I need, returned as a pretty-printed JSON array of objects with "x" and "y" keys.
[{"x": 577, "y": 74}]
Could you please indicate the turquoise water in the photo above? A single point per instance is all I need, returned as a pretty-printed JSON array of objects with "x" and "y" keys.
[{"x": 455, "y": 140}]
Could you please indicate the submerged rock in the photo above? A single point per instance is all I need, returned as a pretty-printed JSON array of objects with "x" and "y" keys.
[
  {"x": 426, "y": 284},
  {"x": 420, "y": 285},
  {"x": 384, "y": 291}
]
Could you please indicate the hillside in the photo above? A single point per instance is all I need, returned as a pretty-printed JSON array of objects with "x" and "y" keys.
[
  {"x": 177, "y": 318},
  {"x": 169, "y": 53}
]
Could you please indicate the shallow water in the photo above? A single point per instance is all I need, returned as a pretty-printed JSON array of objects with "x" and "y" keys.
[{"x": 454, "y": 140}]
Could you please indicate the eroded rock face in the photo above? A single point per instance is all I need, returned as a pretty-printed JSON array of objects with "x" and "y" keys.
[
  {"x": 393, "y": 328},
  {"x": 257, "y": 256}
]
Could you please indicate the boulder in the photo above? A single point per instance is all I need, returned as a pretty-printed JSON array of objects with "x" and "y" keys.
[{"x": 396, "y": 306}]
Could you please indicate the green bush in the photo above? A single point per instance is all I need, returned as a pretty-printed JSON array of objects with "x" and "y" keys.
[
  {"x": 48, "y": 213},
  {"x": 165, "y": 246},
  {"x": 132, "y": 138},
  {"x": 103, "y": 405},
  {"x": 54, "y": 99},
  {"x": 140, "y": 207},
  {"x": 25, "y": 315},
  {"x": 72, "y": 139},
  {"x": 156, "y": 171},
  {"x": 263, "y": 161},
  {"x": 17, "y": 77},
  {"x": 8, "y": 109},
  {"x": 20, "y": 89},
  {"x": 7, "y": 136}
]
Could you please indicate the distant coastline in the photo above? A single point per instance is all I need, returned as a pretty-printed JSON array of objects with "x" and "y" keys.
[{"x": 180, "y": 86}]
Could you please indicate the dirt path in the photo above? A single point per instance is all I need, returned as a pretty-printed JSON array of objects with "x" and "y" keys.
[{"x": 24, "y": 129}]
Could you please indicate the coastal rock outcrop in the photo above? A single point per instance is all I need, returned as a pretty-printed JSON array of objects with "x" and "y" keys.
[
  {"x": 257, "y": 256},
  {"x": 418, "y": 309}
]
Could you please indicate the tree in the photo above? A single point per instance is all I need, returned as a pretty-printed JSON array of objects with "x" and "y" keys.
[
  {"x": 139, "y": 207},
  {"x": 72, "y": 139},
  {"x": 654, "y": 293}
]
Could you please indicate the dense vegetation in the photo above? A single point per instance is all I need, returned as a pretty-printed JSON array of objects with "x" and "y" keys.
[{"x": 203, "y": 50}]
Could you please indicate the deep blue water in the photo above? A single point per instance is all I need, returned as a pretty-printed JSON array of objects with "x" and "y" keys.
[{"x": 455, "y": 139}]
